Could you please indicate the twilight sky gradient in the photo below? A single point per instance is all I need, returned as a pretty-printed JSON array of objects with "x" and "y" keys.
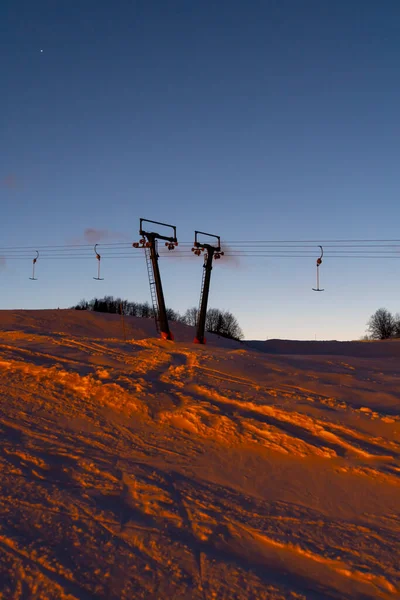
[{"x": 264, "y": 120}]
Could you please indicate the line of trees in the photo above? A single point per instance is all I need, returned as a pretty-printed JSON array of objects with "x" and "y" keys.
[
  {"x": 382, "y": 325},
  {"x": 221, "y": 322}
]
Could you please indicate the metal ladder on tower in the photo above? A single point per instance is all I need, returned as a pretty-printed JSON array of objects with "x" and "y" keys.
[
  {"x": 202, "y": 288},
  {"x": 153, "y": 292}
]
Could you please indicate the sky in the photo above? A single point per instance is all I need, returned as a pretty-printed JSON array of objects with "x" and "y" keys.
[{"x": 256, "y": 121}]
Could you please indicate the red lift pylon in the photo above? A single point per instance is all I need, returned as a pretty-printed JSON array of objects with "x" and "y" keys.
[
  {"x": 149, "y": 242},
  {"x": 210, "y": 252}
]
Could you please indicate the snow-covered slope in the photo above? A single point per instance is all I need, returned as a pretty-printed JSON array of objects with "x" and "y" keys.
[
  {"x": 92, "y": 324},
  {"x": 151, "y": 469},
  {"x": 365, "y": 349}
]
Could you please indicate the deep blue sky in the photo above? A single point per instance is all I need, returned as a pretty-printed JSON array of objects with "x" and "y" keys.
[{"x": 265, "y": 120}]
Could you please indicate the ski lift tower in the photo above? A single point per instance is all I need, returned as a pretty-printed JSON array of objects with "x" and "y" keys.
[
  {"x": 149, "y": 241},
  {"x": 210, "y": 252}
]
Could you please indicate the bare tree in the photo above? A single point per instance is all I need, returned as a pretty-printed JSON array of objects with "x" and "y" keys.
[
  {"x": 231, "y": 326},
  {"x": 145, "y": 310},
  {"x": 190, "y": 316},
  {"x": 382, "y": 325},
  {"x": 213, "y": 320},
  {"x": 83, "y": 305},
  {"x": 223, "y": 323},
  {"x": 397, "y": 325},
  {"x": 173, "y": 315}
]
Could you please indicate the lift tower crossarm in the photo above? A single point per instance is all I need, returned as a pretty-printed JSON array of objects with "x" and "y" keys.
[
  {"x": 212, "y": 251},
  {"x": 172, "y": 239},
  {"x": 199, "y": 245},
  {"x": 160, "y": 311}
]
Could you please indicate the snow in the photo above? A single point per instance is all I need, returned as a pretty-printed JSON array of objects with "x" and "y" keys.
[{"x": 150, "y": 469}]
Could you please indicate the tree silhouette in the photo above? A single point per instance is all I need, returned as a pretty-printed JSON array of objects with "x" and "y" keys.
[
  {"x": 381, "y": 325},
  {"x": 190, "y": 316},
  {"x": 223, "y": 323}
]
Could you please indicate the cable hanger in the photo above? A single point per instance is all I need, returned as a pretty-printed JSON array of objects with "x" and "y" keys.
[
  {"x": 33, "y": 278},
  {"x": 98, "y": 278},
  {"x": 319, "y": 262}
]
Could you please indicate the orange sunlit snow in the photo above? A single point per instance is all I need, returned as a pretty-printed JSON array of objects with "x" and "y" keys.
[{"x": 150, "y": 469}]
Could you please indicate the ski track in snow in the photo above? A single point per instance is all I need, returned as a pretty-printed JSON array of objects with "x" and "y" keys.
[{"x": 146, "y": 469}]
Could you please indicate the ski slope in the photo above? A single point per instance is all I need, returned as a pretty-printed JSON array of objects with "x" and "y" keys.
[{"x": 149, "y": 469}]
